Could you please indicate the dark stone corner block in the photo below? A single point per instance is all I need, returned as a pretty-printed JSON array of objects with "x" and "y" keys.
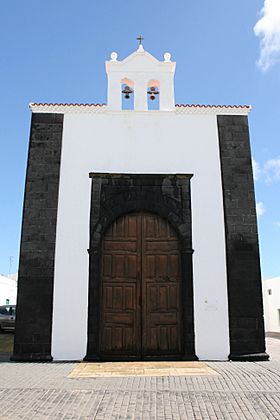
[
  {"x": 246, "y": 323},
  {"x": 254, "y": 357},
  {"x": 31, "y": 358},
  {"x": 37, "y": 250}
]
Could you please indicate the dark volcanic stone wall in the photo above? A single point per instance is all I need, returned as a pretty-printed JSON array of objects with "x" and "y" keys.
[
  {"x": 243, "y": 264},
  {"x": 36, "y": 266}
]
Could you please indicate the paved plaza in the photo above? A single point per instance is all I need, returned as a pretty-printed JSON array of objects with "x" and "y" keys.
[{"x": 240, "y": 390}]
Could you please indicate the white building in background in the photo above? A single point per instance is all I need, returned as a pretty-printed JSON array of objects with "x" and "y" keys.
[
  {"x": 8, "y": 290},
  {"x": 271, "y": 299}
]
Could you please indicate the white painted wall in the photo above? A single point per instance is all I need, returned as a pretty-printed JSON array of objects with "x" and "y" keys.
[
  {"x": 8, "y": 290},
  {"x": 140, "y": 142},
  {"x": 272, "y": 304}
]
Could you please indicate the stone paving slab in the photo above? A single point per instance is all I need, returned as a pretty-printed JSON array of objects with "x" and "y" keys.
[
  {"x": 241, "y": 390},
  {"x": 126, "y": 369},
  {"x": 86, "y": 404}
]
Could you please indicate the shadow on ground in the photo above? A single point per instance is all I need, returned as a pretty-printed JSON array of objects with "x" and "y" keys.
[
  {"x": 6, "y": 346},
  {"x": 7, "y": 342}
]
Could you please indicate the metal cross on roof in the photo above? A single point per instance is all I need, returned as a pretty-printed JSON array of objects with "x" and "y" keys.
[{"x": 140, "y": 39}]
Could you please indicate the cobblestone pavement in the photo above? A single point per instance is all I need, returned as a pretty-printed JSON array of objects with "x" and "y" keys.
[{"x": 242, "y": 390}]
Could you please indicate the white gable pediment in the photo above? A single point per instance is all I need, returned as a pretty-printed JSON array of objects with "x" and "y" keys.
[
  {"x": 142, "y": 61},
  {"x": 138, "y": 71}
]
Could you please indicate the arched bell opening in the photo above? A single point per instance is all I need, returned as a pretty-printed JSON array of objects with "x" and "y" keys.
[
  {"x": 153, "y": 92},
  {"x": 127, "y": 92}
]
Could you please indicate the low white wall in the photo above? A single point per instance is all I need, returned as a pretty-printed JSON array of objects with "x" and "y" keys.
[
  {"x": 8, "y": 290},
  {"x": 271, "y": 299},
  {"x": 140, "y": 142}
]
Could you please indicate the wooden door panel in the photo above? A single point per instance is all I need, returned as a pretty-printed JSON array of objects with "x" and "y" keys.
[
  {"x": 119, "y": 268},
  {"x": 174, "y": 266},
  {"x": 141, "y": 288},
  {"x": 164, "y": 319},
  {"x": 159, "y": 339},
  {"x": 119, "y": 319},
  {"x": 120, "y": 298},
  {"x": 153, "y": 246},
  {"x": 161, "y": 283},
  {"x": 124, "y": 319},
  {"x": 155, "y": 227},
  {"x": 162, "y": 266},
  {"x": 118, "y": 339},
  {"x": 124, "y": 227},
  {"x": 120, "y": 245},
  {"x": 162, "y": 298},
  {"x": 120, "y": 332}
]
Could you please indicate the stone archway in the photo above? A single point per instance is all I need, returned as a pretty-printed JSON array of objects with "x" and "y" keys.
[{"x": 167, "y": 199}]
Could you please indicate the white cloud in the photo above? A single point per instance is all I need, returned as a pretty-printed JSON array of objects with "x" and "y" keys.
[
  {"x": 268, "y": 29},
  {"x": 256, "y": 169},
  {"x": 277, "y": 224},
  {"x": 269, "y": 171},
  {"x": 272, "y": 170},
  {"x": 260, "y": 209}
]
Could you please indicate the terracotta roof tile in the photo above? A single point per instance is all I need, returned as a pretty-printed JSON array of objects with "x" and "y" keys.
[
  {"x": 177, "y": 105},
  {"x": 212, "y": 106},
  {"x": 61, "y": 104}
]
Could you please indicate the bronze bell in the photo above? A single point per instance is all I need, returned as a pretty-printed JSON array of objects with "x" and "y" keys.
[
  {"x": 152, "y": 92},
  {"x": 127, "y": 92}
]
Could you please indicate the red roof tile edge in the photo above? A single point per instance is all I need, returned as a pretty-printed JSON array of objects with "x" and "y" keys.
[
  {"x": 60, "y": 104},
  {"x": 177, "y": 105},
  {"x": 211, "y": 106}
]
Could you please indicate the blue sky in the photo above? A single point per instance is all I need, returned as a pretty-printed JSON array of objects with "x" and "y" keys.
[{"x": 54, "y": 51}]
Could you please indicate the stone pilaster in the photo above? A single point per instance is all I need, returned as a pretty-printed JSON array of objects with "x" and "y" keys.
[
  {"x": 36, "y": 265},
  {"x": 247, "y": 340}
]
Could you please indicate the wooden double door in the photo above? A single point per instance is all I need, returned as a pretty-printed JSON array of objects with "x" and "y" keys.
[{"x": 141, "y": 308}]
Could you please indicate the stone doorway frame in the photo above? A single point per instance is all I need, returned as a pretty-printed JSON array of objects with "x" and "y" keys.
[{"x": 113, "y": 195}]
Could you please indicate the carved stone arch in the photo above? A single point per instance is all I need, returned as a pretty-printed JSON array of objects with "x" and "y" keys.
[
  {"x": 115, "y": 195},
  {"x": 160, "y": 207}
]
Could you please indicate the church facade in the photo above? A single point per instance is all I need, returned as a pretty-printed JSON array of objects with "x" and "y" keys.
[{"x": 139, "y": 236}]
